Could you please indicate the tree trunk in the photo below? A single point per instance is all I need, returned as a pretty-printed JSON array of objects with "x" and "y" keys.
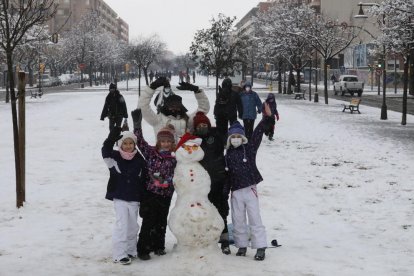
[
  {"x": 280, "y": 77},
  {"x": 325, "y": 80},
  {"x": 22, "y": 132},
  {"x": 139, "y": 81},
  {"x": 19, "y": 195},
  {"x": 289, "y": 88},
  {"x": 145, "y": 69},
  {"x": 411, "y": 78},
  {"x": 404, "y": 102}
]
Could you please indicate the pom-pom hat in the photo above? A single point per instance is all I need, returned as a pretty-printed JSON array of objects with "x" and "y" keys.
[
  {"x": 200, "y": 118},
  {"x": 236, "y": 128},
  {"x": 167, "y": 132},
  {"x": 125, "y": 135}
]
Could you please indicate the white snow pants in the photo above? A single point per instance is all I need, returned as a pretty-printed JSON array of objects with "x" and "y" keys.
[
  {"x": 246, "y": 201},
  {"x": 124, "y": 236}
]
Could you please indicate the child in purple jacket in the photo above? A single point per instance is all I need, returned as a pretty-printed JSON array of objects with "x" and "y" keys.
[
  {"x": 243, "y": 177},
  {"x": 159, "y": 188},
  {"x": 270, "y": 103}
]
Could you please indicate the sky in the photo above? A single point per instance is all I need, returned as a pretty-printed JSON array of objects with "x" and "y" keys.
[
  {"x": 337, "y": 192},
  {"x": 176, "y": 21}
]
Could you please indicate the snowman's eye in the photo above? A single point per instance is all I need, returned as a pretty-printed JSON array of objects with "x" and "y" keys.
[{"x": 187, "y": 147}]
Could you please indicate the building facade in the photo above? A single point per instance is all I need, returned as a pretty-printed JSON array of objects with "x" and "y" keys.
[{"x": 70, "y": 12}]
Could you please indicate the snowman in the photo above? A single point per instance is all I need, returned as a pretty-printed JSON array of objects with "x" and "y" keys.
[{"x": 194, "y": 221}]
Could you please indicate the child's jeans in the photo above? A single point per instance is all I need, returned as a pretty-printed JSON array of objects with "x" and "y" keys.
[
  {"x": 124, "y": 237},
  {"x": 246, "y": 201}
]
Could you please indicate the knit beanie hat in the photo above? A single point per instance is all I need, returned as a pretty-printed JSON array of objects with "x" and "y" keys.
[
  {"x": 127, "y": 134},
  {"x": 236, "y": 128},
  {"x": 167, "y": 132},
  {"x": 112, "y": 86},
  {"x": 199, "y": 118},
  {"x": 188, "y": 138}
]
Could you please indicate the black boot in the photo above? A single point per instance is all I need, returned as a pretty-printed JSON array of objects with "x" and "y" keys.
[
  {"x": 242, "y": 251},
  {"x": 225, "y": 248},
  {"x": 260, "y": 254}
]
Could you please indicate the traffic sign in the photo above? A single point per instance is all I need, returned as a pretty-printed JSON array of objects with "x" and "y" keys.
[{"x": 378, "y": 71}]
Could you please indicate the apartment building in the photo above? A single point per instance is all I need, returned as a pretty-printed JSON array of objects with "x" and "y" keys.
[{"x": 70, "y": 12}]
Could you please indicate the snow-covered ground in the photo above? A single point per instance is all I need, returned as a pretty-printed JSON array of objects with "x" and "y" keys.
[{"x": 337, "y": 194}]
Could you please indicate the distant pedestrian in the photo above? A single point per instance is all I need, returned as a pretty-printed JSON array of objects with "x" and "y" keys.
[
  {"x": 114, "y": 108},
  {"x": 270, "y": 107},
  {"x": 187, "y": 77},
  {"x": 252, "y": 105}
]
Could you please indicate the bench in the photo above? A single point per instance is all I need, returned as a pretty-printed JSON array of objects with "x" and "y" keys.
[
  {"x": 353, "y": 105},
  {"x": 299, "y": 94}
]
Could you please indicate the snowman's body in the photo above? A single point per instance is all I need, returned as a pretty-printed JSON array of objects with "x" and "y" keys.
[{"x": 194, "y": 221}]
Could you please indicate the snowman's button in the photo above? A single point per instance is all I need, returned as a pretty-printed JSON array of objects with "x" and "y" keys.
[
  {"x": 198, "y": 204},
  {"x": 191, "y": 174},
  {"x": 192, "y": 180},
  {"x": 192, "y": 205}
]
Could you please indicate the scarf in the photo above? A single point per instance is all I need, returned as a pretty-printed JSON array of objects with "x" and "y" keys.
[{"x": 127, "y": 155}]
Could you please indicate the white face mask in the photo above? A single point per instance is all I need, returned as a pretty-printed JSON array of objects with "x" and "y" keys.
[
  {"x": 236, "y": 142},
  {"x": 248, "y": 89}
]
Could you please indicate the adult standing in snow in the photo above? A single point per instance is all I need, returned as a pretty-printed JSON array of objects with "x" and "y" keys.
[
  {"x": 252, "y": 105},
  {"x": 213, "y": 162},
  {"x": 125, "y": 187},
  {"x": 227, "y": 106},
  {"x": 243, "y": 177},
  {"x": 114, "y": 108},
  {"x": 159, "y": 188},
  {"x": 173, "y": 111},
  {"x": 271, "y": 106}
]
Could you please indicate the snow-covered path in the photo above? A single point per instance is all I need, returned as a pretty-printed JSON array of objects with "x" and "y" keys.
[{"x": 337, "y": 194}]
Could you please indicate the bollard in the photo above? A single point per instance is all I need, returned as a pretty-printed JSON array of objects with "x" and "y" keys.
[{"x": 270, "y": 87}]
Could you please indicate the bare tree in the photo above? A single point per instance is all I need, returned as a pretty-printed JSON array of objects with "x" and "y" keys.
[
  {"x": 217, "y": 49},
  {"x": 16, "y": 18}
]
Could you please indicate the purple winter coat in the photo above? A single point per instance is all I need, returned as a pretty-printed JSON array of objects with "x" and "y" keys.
[
  {"x": 244, "y": 174},
  {"x": 161, "y": 167}
]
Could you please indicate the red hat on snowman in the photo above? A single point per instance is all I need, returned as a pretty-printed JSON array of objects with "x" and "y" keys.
[{"x": 189, "y": 138}]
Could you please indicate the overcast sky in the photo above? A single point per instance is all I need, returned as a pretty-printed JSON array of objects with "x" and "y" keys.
[{"x": 176, "y": 21}]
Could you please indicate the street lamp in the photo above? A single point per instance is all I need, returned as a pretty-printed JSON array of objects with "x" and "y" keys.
[{"x": 384, "y": 56}]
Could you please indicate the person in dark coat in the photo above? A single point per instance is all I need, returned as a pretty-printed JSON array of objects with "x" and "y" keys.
[
  {"x": 114, "y": 108},
  {"x": 271, "y": 105},
  {"x": 128, "y": 172},
  {"x": 252, "y": 105},
  {"x": 244, "y": 176},
  {"x": 159, "y": 188},
  {"x": 213, "y": 162},
  {"x": 227, "y": 106}
]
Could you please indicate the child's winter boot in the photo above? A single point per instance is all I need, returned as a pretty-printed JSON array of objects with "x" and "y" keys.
[
  {"x": 260, "y": 254},
  {"x": 242, "y": 251}
]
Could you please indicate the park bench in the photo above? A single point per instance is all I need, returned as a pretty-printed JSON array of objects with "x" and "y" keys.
[
  {"x": 353, "y": 105},
  {"x": 299, "y": 94}
]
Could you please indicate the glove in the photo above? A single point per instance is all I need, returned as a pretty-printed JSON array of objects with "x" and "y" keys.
[
  {"x": 188, "y": 86},
  {"x": 137, "y": 118},
  {"x": 125, "y": 126},
  {"x": 161, "y": 81},
  {"x": 114, "y": 135}
]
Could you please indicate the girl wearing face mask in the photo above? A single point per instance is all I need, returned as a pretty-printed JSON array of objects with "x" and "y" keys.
[
  {"x": 251, "y": 105},
  {"x": 240, "y": 161}
]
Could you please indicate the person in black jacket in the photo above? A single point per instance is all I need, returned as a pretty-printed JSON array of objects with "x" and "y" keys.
[
  {"x": 114, "y": 108},
  {"x": 227, "y": 106},
  {"x": 128, "y": 173},
  {"x": 213, "y": 162}
]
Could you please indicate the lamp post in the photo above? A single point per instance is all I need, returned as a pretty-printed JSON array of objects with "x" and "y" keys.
[{"x": 384, "y": 56}]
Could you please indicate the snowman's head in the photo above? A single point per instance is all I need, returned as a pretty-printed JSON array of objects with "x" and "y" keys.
[{"x": 189, "y": 149}]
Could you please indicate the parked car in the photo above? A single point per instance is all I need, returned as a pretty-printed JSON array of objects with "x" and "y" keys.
[
  {"x": 302, "y": 76},
  {"x": 261, "y": 75},
  {"x": 274, "y": 75},
  {"x": 348, "y": 84}
]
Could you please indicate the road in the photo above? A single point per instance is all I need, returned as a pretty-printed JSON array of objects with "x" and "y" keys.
[{"x": 393, "y": 101}]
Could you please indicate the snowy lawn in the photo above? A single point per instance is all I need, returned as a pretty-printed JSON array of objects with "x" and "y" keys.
[{"x": 337, "y": 194}]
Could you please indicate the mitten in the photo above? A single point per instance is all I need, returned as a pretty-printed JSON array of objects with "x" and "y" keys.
[
  {"x": 114, "y": 135},
  {"x": 188, "y": 86},
  {"x": 277, "y": 116},
  {"x": 137, "y": 118},
  {"x": 161, "y": 81}
]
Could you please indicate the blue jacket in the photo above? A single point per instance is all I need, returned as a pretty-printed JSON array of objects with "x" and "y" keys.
[
  {"x": 251, "y": 104},
  {"x": 244, "y": 174},
  {"x": 127, "y": 177}
]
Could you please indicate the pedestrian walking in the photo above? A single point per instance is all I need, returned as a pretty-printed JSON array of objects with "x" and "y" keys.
[
  {"x": 270, "y": 107},
  {"x": 114, "y": 108},
  {"x": 251, "y": 105}
]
